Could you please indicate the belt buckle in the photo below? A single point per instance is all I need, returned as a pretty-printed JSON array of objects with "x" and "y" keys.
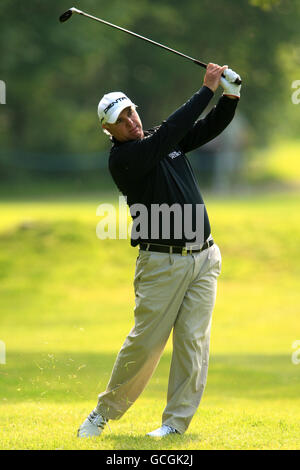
[{"x": 184, "y": 251}]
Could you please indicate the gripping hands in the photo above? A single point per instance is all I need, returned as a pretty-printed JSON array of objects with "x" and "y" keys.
[
  {"x": 213, "y": 78},
  {"x": 230, "y": 88}
]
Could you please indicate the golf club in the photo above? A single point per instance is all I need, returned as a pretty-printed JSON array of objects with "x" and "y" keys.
[{"x": 65, "y": 16}]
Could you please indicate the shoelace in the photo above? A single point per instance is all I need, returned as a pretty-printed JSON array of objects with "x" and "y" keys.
[
  {"x": 169, "y": 428},
  {"x": 98, "y": 420}
]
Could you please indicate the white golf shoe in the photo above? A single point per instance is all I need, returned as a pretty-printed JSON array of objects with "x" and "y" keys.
[
  {"x": 92, "y": 426},
  {"x": 163, "y": 431}
]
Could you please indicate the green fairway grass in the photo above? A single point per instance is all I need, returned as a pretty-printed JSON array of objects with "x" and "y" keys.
[{"x": 66, "y": 306}]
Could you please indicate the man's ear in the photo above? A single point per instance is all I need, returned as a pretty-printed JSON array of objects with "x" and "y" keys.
[{"x": 105, "y": 129}]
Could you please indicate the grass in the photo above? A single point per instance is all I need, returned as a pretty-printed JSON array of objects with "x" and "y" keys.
[
  {"x": 278, "y": 163},
  {"x": 66, "y": 303}
]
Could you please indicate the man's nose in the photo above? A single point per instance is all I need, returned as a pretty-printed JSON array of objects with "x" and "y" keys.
[{"x": 129, "y": 122}]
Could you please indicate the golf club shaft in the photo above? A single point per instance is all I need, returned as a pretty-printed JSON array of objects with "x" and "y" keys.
[{"x": 197, "y": 62}]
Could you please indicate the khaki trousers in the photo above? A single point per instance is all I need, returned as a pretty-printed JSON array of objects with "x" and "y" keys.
[{"x": 171, "y": 292}]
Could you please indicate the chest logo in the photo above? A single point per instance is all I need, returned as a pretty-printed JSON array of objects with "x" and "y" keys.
[{"x": 174, "y": 154}]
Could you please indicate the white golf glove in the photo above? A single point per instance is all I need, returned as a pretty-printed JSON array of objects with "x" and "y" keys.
[{"x": 230, "y": 88}]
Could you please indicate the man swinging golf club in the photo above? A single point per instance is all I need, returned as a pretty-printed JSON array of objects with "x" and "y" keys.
[{"x": 175, "y": 278}]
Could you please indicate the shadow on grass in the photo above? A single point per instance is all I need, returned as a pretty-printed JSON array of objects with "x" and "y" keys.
[
  {"x": 70, "y": 377},
  {"x": 142, "y": 442}
]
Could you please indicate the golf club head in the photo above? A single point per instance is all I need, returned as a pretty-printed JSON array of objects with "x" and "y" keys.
[{"x": 65, "y": 16}]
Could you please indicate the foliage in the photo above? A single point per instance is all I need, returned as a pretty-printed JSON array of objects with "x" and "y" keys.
[{"x": 56, "y": 73}]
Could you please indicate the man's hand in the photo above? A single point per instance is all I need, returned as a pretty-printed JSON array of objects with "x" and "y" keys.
[
  {"x": 213, "y": 76},
  {"x": 231, "y": 89}
]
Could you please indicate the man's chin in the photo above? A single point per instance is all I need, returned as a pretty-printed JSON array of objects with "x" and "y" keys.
[{"x": 137, "y": 135}]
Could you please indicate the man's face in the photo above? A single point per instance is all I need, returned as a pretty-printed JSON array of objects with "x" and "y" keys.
[{"x": 127, "y": 127}]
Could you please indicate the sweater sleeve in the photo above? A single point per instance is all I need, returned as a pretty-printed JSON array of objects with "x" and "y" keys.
[
  {"x": 136, "y": 158},
  {"x": 211, "y": 126}
]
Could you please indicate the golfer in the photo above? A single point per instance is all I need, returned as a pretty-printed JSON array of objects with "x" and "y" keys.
[{"x": 176, "y": 271}]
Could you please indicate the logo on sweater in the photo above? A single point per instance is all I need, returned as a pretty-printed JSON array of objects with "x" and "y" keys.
[{"x": 174, "y": 154}]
